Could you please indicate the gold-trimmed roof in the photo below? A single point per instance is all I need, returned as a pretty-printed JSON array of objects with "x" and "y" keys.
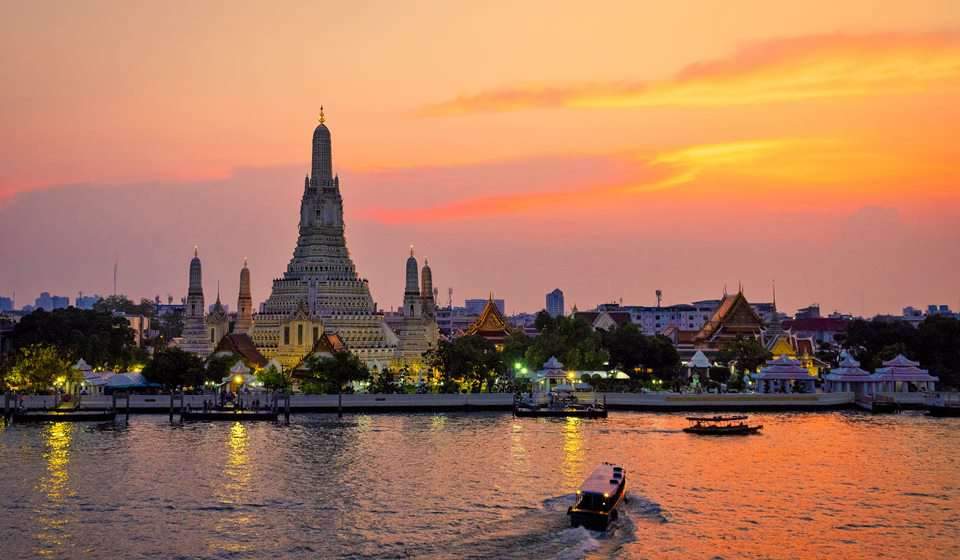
[
  {"x": 490, "y": 322},
  {"x": 735, "y": 314}
]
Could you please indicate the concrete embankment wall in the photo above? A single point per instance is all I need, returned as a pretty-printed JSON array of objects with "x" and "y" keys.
[{"x": 665, "y": 402}]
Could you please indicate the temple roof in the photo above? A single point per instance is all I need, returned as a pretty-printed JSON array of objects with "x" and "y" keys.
[
  {"x": 699, "y": 360},
  {"x": 734, "y": 311},
  {"x": 490, "y": 323},
  {"x": 243, "y": 346}
]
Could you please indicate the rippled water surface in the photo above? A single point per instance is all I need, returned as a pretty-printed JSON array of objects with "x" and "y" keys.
[{"x": 833, "y": 485}]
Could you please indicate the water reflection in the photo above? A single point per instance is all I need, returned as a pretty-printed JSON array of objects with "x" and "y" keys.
[
  {"x": 52, "y": 521},
  {"x": 236, "y": 482},
  {"x": 572, "y": 452}
]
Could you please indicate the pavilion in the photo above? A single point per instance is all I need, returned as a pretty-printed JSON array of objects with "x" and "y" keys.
[
  {"x": 785, "y": 375},
  {"x": 901, "y": 375},
  {"x": 847, "y": 377}
]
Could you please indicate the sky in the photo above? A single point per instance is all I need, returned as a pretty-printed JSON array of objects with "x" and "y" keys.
[{"x": 609, "y": 150}]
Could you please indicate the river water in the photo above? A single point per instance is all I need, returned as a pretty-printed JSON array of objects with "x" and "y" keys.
[{"x": 480, "y": 485}]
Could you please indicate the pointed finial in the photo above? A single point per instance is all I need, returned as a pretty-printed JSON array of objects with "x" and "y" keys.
[
  {"x": 491, "y": 295},
  {"x": 411, "y": 250},
  {"x": 739, "y": 287},
  {"x": 244, "y": 262},
  {"x": 218, "y": 291},
  {"x": 322, "y": 119},
  {"x": 724, "y": 289},
  {"x": 426, "y": 262},
  {"x": 195, "y": 251},
  {"x": 774, "y": 294}
]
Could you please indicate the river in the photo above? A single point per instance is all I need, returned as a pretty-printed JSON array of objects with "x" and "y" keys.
[{"x": 480, "y": 485}]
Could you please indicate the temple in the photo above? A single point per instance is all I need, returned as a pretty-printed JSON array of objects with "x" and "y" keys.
[
  {"x": 415, "y": 325},
  {"x": 734, "y": 318},
  {"x": 195, "y": 337},
  {"x": 320, "y": 292},
  {"x": 491, "y": 325}
]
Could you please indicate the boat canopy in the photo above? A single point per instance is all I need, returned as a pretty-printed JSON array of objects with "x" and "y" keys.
[{"x": 605, "y": 479}]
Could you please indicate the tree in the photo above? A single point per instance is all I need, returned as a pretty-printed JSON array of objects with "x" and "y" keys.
[
  {"x": 382, "y": 382},
  {"x": 573, "y": 341},
  {"x": 337, "y": 371},
  {"x": 937, "y": 347},
  {"x": 468, "y": 359},
  {"x": 122, "y": 304},
  {"x": 273, "y": 379},
  {"x": 627, "y": 347},
  {"x": 173, "y": 367},
  {"x": 218, "y": 367},
  {"x": 39, "y": 367},
  {"x": 872, "y": 342},
  {"x": 514, "y": 353},
  {"x": 102, "y": 339},
  {"x": 747, "y": 354}
]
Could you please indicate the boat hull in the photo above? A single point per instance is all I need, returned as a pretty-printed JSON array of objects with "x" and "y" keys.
[
  {"x": 525, "y": 412},
  {"x": 722, "y": 431}
]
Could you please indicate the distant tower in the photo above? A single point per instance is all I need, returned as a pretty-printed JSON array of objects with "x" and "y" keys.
[
  {"x": 555, "y": 305},
  {"x": 194, "y": 329},
  {"x": 411, "y": 293},
  {"x": 244, "y": 303},
  {"x": 449, "y": 298},
  {"x": 659, "y": 297},
  {"x": 426, "y": 289}
]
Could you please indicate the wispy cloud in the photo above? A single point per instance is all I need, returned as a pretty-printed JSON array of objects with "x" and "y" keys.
[{"x": 783, "y": 70}]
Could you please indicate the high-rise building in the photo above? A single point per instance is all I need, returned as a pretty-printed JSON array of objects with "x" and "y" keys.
[
  {"x": 6, "y": 304},
  {"x": 48, "y": 302},
  {"x": 555, "y": 303},
  {"x": 86, "y": 302},
  {"x": 320, "y": 292}
]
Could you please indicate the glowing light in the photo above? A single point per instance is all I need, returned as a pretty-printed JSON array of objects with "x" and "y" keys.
[{"x": 238, "y": 379}]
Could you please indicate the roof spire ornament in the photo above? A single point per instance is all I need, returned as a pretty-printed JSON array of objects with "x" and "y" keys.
[
  {"x": 322, "y": 118},
  {"x": 195, "y": 251},
  {"x": 411, "y": 250}
]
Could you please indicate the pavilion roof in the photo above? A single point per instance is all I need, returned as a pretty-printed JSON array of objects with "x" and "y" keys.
[
  {"x": 902, "y": 369},
  {"x": 848, "y": 370},
  {"x": 699, "y": 360},
  {"x": 784, "y": 368}
]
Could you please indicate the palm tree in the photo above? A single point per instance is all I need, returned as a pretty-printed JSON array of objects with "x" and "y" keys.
[{"x": 338, "y": 370}]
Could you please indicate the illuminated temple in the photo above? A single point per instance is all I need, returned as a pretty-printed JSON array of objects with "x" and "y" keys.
[{"x": 320, "y": 292}]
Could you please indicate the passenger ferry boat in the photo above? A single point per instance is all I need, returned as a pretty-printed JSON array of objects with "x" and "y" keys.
[
  {"x": 721, "y": 426},
  {"x": 598, "y": 498}
]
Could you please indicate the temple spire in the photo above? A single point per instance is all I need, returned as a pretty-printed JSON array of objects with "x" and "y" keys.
[{"x": 322, "y": 118}]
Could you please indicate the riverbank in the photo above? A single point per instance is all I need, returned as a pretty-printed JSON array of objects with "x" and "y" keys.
[{"x": 373, "y": 403}]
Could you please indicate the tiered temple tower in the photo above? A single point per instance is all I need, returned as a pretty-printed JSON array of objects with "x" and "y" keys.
[
  {"x": 416, "y": 325},
  {"x": 320, "y": 290},
  {"x": 244, "y": 303},
  {"x": 195, "y": 338}
]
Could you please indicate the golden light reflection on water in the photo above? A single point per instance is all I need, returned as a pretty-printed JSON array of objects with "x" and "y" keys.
[
  {"x": 236, "y": 483},
  {"x": 517, "y": 450},
  {"x": 237, "y": 471},
  {"x": 52, "y": 523},
  {"x": 438, "y": 422},
  {"x": 572, "y": 452}
]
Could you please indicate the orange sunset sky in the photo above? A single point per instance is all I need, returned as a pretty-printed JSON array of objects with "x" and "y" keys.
[{"x": 605, "y": 148}]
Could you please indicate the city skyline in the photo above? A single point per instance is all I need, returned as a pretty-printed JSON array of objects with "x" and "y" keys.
[{"x": 776, "y": 146}]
